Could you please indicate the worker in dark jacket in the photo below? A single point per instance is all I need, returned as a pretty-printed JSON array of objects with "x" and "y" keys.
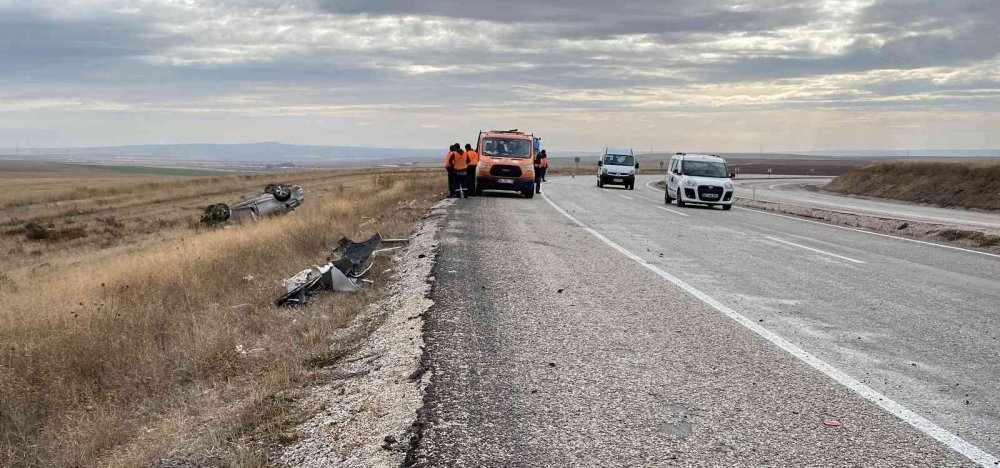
[
  {"x": 470, "y": 180},
  {"x": 541, "y": 163},
  {"x": 451, "y": 170}
]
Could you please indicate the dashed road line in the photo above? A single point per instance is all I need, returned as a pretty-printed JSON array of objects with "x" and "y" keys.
[
  {"x": 933, "y": 244},
  {"x": 870, "y": 232},
  {"x": 673, "y": 211},
  {"x": 921, "y": 423},
  {"x": 849, "y": 259}
]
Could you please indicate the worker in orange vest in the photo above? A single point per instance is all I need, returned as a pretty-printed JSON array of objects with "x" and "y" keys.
[
  {"x": 470, "y": 180},
  {"x": 541, "y": 165},
  {"x": 451, "y": 170},
  {"x": 458, "y": 162}
]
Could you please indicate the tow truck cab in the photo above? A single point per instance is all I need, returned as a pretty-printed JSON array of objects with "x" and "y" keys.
[{"x": 506, "y": 162}]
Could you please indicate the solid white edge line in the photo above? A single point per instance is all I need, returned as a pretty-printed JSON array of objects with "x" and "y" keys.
[
  {"x": 814, "y": 250},
  {"x": 623, "y": 196},
  {"x": 673, "y": 211},
  {"x": 921, "y": 423},
  {"x": 943, "y": 246}
]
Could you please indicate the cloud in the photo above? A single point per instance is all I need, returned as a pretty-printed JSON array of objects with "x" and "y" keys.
[{"x": 433, "y": 61}]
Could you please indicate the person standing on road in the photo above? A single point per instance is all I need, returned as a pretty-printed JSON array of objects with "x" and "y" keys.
[
  {"x": 459, "y": 163},
  {"x": 470, "y": 180},
  {"x": 541, "y": 164},
  {"x": 451, "y": 170}
]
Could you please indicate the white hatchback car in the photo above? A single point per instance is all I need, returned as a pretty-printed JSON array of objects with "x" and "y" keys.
[{"x": 699, "y": 178}]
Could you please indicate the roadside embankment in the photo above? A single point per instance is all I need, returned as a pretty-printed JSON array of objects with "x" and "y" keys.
[
  {"x": 961, "y": 184},
  {"x": 168, "y": 351}
]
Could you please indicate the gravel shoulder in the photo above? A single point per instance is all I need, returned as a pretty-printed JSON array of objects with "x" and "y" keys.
[
  {"x": 364, "y": 415},
  {"x": 548, "y": 348}
]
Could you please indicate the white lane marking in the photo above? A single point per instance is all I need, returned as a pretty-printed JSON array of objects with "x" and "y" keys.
[
  {"x": 661, "y": 207},
  {"x": 923, "y": 424},
  {"x": 673, "y": 211},
  {"x": 623, "y": 196},
  {"x": 815, "y": 250},
  {"x": 649, "y": 184},
  {"x": 870, "y": 232}
]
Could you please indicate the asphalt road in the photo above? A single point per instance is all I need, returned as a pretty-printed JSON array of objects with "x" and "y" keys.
[
  {"x": 694, "y": 336},
  {"x": 805, "y": 192}
]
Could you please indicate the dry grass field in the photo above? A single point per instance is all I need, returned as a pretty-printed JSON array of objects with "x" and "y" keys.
[
  {"x": 964, "y": 184},
  {"x": 131, "y": 333}
]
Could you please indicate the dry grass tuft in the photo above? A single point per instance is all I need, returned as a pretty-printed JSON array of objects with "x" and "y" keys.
[
  {"x": 965, "y": 184},
  {"x": 174, "y": 346}
]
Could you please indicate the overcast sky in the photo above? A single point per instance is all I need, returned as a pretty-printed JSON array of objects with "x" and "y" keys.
[{"x": 583, "y": 74}]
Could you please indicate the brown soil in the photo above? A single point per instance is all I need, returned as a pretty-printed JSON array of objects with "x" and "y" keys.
[{"x": 964, "y": 184}]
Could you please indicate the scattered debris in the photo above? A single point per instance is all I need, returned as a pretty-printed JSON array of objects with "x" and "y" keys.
[
  {"x": 832, "y": 423},
  {"x": 343, "y": 274},
  {"x": 275, "y": 200}
]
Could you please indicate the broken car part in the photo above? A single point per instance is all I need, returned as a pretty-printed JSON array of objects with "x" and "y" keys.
[{"x": 343, "y": 274}]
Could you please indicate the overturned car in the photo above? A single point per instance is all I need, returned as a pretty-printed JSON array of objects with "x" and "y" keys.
[{"x": 275, "y": 200}]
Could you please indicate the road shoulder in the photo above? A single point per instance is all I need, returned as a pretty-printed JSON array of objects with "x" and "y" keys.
[{"x": 364, "y": 416}]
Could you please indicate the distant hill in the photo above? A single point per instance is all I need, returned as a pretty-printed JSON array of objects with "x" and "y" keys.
[
  {"x": 260, "y": 153},
  {"x": 902, "y": 154},
  {"x": 271, "y": 153}
]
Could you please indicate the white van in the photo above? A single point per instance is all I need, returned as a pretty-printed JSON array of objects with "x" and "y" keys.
[
  {"x": 699, "y": 178},
  {"x": 617, "y": 166}
]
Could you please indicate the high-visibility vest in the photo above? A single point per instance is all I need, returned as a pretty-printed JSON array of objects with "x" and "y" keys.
[
  {"x": 541, "y": 162},
  {"x": 447, "y": 158},
  {"x": 457, "y": 161},
  {"x": 473, "y": 156}
]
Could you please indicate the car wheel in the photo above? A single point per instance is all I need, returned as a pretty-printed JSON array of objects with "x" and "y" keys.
[
  {"x": 727, "y": 207},
  {"x": 666, "y": 197},
  {"x": 280, "y": 192},
  {"x": 600, "y": 183},
  {"x": 680, "y": 201},
  {"x": 631, "y": 186},
  {"x": 529, "y": 193},
  {"x": 215, "y": 214}
]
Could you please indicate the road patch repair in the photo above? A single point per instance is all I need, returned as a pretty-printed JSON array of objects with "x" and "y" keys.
[{"x": 363, "y": 416}]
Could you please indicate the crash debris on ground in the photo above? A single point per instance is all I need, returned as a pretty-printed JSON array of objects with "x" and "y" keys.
[
  {"x": 364, "y": 415},
  {"x": 353, "y": 261},
  {"x": 276, "y": 199}
]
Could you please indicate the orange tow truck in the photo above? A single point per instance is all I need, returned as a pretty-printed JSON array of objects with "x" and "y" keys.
[{"x": 506, "y": 162}]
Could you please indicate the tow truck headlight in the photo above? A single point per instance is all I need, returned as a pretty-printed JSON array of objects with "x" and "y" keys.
[
  {"x": 529, "y": 168},
  {"x": 604, "y": 170},
  {"x": 483, "y": 166},
  {"x": 729, "y": 185},
  {"x": 691, "y": 183}
]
